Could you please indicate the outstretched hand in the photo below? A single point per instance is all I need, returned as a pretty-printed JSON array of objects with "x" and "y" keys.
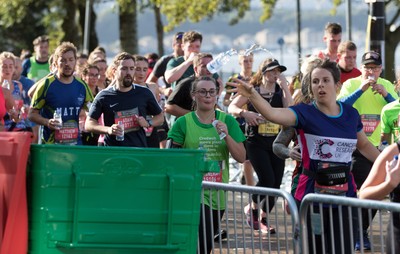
[{"x": 242, "y": 87}]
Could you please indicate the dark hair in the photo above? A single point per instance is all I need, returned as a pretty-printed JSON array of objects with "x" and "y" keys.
[
  {"x": 121, "y": 57},
  {"x": 87, "y": 67},
  {"x": 40, "y": 39},
  {"x": 203, "y": 78},
  {"x": 197, "y": 81},
  {"x": 333, "y": 28},
  {"x": 326, "y": 64},
  {"x": 138, "y": 58},
  {"x": 199, "y": 56}
]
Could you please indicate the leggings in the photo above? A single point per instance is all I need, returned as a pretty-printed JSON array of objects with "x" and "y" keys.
[
  {"x": 208, "y": 227},
  {"x": 269, "y": 169}
]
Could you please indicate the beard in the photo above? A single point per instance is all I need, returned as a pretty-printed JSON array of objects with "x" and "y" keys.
[
  {"x": 127, "y": 81},
  {"x": 66, "y": 74}
]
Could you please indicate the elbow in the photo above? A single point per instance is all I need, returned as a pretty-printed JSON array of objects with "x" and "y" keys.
[{"x": 168, "y": 109}]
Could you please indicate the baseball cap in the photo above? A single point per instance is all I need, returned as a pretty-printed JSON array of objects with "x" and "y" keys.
[
  {"x": 272, "y": 65},
  {"x": 371, "y": 57},
  {"x": 178, "y": 36}
]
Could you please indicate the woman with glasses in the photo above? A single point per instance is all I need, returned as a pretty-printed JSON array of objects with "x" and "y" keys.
[
  {"x": 219, "y": 134},
  {"x": 273, "y": 87}
]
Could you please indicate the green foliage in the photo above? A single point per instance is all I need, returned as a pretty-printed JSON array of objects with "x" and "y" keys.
[{"x": 268, "y": 7}]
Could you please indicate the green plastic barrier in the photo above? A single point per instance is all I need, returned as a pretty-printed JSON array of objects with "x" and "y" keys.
[{"x": 114, "y": 200}]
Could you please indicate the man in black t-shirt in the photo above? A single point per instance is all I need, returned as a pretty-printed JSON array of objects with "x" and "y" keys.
[{"x": 124, "y": 102}]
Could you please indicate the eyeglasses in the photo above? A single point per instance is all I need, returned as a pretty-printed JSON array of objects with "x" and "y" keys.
[
  {"x": 373, "y": 69},
  {"x": 204, "y": 92},
  {"x": 90, "y": 75}
]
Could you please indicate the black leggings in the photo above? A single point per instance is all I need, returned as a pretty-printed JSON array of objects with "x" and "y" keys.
[
  {"x": 269, "y": 169},
  {"x": 211, "y": 222}
]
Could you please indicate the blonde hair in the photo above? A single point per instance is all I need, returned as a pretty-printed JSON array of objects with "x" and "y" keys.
[{"x": 7, "y": 55}]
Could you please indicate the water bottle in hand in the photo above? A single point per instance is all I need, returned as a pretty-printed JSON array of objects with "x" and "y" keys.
[
  {"x": 57, "y": 117},
  {"x": 121, "y": 137}
]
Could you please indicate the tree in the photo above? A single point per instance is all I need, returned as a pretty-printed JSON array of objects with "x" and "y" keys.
[
  {"x": 128, "y": 25},
  {"x": 24, "y": 20}
]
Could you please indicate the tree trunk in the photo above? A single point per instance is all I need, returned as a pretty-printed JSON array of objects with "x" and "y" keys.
[
  {"x": 159, "y": 30},
  {"x": 93, "y": 39},
  {"x": 128, "y": 28},
  {"x": 69, "y": 26}
]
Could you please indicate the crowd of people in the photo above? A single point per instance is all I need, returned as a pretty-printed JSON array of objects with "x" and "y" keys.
[{"x": 331, "y": 118}]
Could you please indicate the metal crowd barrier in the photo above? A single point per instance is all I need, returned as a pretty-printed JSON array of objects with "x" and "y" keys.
[
  {"x": 323, "y": 214},
  {"x": 240, "y": 238}
]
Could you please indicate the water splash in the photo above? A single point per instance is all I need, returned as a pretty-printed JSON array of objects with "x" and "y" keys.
[{"x": 256, "y": 47}]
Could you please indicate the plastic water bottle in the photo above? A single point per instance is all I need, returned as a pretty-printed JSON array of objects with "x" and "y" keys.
[
  {"x": 57, "y": 116},
  {"x": 393, "y": 162},
  {"x": 120, "y": 138},
  {"x": 216, "y": 64},
  {"x": 383, "y": 145},
  {"x": 6, "y": 84}
]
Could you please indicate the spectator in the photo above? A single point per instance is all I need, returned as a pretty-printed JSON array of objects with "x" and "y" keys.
[
  {"x": 63, "y": 93},
  {"x": 126, "y": 102}
]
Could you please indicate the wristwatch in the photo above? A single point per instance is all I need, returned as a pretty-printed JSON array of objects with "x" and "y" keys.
[{"x": 150, "y": 121}]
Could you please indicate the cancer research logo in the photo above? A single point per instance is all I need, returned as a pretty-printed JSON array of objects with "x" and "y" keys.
[{"x": 321, "y": 150}]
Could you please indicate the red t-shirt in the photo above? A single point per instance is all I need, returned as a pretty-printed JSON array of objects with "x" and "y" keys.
[
  {"x": 3, "y": 108},
  {"x": 348, "y": 75}
]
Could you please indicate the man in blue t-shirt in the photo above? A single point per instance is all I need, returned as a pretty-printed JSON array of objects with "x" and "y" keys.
[
  {"x": 63, "y": 94},
  {"x": 124, "y": 107}
]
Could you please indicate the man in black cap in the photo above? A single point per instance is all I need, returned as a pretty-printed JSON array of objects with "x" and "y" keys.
[{"x": 368, "y": 93}]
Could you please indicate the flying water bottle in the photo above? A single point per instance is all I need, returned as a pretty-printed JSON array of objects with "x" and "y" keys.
[
  {"x": 216, "y": 64},
  {"x": 252, "y": 48}
]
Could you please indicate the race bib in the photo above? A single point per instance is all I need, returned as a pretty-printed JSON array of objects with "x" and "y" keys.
[
  {"x": 68, "y": 134},
  {"x": 266, "y": 128},
  {"x": 370, "y": 122},
  {"x": 129, "y": 118},
  {"x": 215, "y": 177}
]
